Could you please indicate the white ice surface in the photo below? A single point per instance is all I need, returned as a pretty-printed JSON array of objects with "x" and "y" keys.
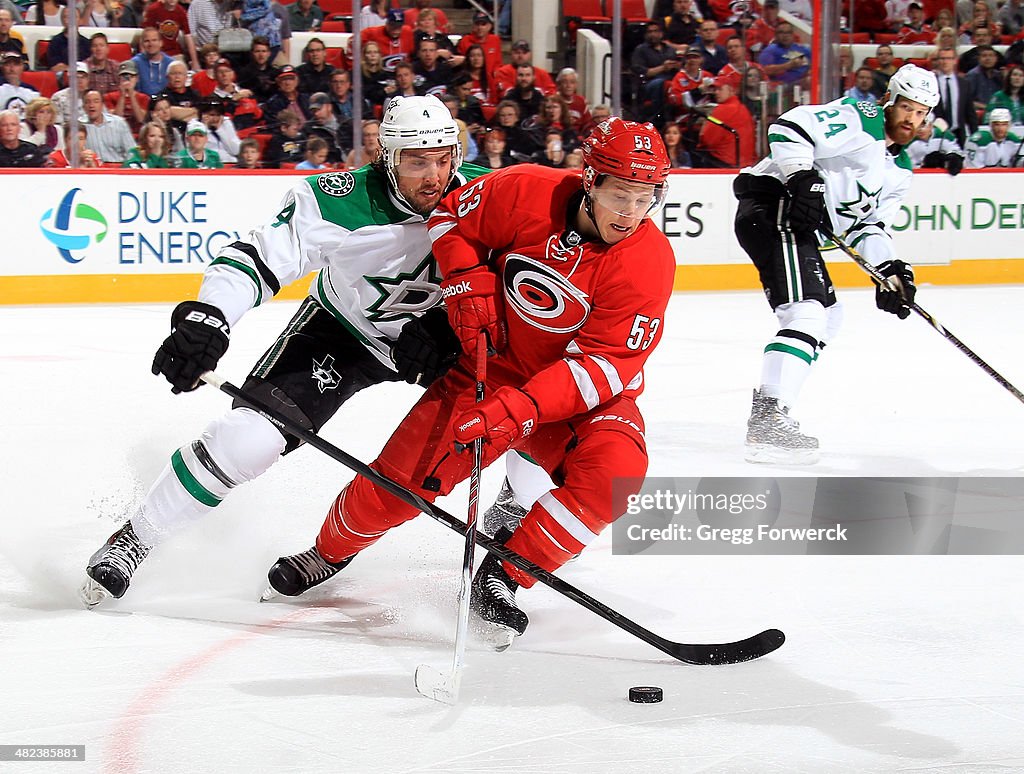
[{"x": 893, "y": 664}]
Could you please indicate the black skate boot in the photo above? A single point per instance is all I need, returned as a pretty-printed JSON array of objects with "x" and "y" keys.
[
  {"x": 774, "y": 436},
  {"x": 297, "y": 574},
  {"x": 505, "y": 512},
  {"x": 111, "y": 568},
  {"x": 493, "y": 598}
]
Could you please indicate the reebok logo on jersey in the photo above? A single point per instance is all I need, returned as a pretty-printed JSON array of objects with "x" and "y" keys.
[
  {"x": 527, "y": 427},
  {"x": 457, "y": 289},
  {"x": 474, "y": 421}
]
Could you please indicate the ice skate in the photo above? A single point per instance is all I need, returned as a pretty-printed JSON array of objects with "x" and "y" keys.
[
  {"x": 110, "y": 569},
  {"x": 493, "y": 599},
  {"x": 505, "y": 512},
  {"x": 294, "y": 575},
  {"x": 774, "y": 437}
]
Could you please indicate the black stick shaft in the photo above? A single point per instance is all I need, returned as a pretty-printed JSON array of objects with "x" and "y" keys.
[{"x": 724, "y": 653}]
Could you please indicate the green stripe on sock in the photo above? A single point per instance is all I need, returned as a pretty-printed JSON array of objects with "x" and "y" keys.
[
  {"x": 194, "y": 488},
  {"x": 776, "y": 347}
]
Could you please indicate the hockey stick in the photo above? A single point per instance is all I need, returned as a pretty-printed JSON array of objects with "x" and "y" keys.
[
  {"x": 722, "y": 653},
  {"x": 880, "y": 279},
  {"x": 429, "y": 681}
]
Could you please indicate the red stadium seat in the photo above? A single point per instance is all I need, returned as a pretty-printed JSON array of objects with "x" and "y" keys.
[
  {"x": 332, "y": 25},
  {"x": 262, "y": 139},
  {"x": 41, "y": 46},
  {"x": 120, "y": 52},
  {"x": 856, "y": 37},
  {"x": 336, "y": 7},
  {"x": 336, "y": 57},
  {"x": 886, "y": 37},
  {"x": 921, "y": 62},
  {"x": 872, "y": 62},
  {"x": 634, "y": 12},
  {"x": 43, "y": 80}
]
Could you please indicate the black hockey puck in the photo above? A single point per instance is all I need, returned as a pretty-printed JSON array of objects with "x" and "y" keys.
[{"x": 646, "y": 694}]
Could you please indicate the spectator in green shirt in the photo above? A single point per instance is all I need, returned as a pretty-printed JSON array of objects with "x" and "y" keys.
[
  {"x": 152, "y": 151},
  {"x": 195, "y": 154}
]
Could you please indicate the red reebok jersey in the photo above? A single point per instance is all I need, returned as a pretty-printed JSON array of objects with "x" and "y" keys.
[{"x": 582, "y": 317}]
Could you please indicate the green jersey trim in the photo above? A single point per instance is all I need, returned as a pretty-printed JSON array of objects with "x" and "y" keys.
[{"x": 872, "y": 120}]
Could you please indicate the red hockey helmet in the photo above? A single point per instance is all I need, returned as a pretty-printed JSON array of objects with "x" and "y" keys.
[{"x": 629, "y": 151}]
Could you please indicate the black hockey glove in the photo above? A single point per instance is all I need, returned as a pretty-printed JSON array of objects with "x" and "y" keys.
[
  {"x": 199, "y": 338},
  {"x": 806, "y": 200},
  {"x": 426, "y": 348},
  {"x": 898, "y": 301},
  {"x": 954, "y": 163},
  {"x": 934, "y": 160}
]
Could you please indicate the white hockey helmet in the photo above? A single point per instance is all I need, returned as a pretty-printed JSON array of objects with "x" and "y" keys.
[
  {"x": 416, "y": 122},
  {"x": 1000, "y": 116},
  {"x": 915, "y": 83}
]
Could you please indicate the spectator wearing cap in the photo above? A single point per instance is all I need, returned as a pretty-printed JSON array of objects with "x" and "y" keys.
[
  {"x": 109, "y": 136},
  {"x": 504, "y": 78},
  {"x": 761, "y": 33},
  {"x": 287, "y": 141},
  {"x": 418, "y": 7},
  {"x": 10, "y": 38},
  {"x": 102, "y": 69},
  {"x": 56, "y": 59},
  {"x": 433, "y": 72},
  {"x": 195, "y": 154},
  {"x": 785, "y": 61},
  {"x": 686, "y": 89},
  {"x": 325, "y": 125},
  {"x": 426, "y": 29},
  {"x": 171, "y": 20},
  {"x": 259, "y": 76},
  {"x": 225, "y": 88},
  {"x": 728, "y": 130},
  {"x": 654, "y": 62},
  {"x": 222, "y": 135},
  {"x": 14, "y": 92},
  {"x": 15, "y": 152},
  {"x": 394, "y": 39},
  {"x": 153, "y": 149},
  {"x": 482, "y": 34},
  {"x": 314, "y": 73},
  {"x": 288, "y": 96},
  {"x": 127, "y": 101},
  {"x": 915, "y": 30},
  {"x": 305, "y": 16},
  {"x": 151, "y": 62},
  {"x": 62, "y": 99},
  {"x": 994, "y": 145}
]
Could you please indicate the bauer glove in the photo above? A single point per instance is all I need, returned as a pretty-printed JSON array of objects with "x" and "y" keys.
[
  {"x": 896, "y": 300},
  {"x": 806, "y": 200},
  {"x": 426, "y": 348},
  {"x": 472, "y": 301},
  {"x": 199, "y": 338},
  {"x": 501, "y": 419}
]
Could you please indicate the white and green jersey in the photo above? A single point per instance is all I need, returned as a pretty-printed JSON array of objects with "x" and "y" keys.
[
  {"x": 983, "y": 150},
  {"x": 376, "y": 270},
  {"x": 845, "y": 142},
  {"x": 941, "y": 141}
]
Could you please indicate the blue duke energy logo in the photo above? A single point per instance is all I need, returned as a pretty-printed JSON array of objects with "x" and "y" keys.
[{"x": 72, "y": 228}]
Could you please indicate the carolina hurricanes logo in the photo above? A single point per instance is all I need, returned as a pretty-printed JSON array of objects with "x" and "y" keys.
[{"x": 543, "y": 297}]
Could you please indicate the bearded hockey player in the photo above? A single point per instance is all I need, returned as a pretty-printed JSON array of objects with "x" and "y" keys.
[
  {"x": 370, "y": 318},
  {"x": 570, "y": 279},
  {"x": 845, "y": 162}
]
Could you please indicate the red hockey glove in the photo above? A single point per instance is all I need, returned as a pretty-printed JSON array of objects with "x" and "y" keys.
[
  {"x": 501, "y": 419},
  {"x": 471, "y": 298}
]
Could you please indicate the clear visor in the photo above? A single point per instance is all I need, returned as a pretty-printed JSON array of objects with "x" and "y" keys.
[
  {"x": 421, "y": 164},
  {"x": 629, "y": 200}
]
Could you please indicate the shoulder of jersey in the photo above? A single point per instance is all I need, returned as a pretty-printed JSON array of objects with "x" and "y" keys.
[{"x": 872, "y": 120}]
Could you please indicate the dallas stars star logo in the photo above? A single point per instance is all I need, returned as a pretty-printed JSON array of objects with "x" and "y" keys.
[
  {"x": 405, "y": 295},
  {"x": 324, "y": 374},
  {"x": 858, "y": 209}
]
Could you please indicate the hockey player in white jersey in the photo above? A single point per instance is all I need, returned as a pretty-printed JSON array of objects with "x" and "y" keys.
[
  {"x": 935, "y": 147},
  {"x": 844, "y": 161},
  {"x": 372, "y": 316},
  {"x": 995, "y": 145}
]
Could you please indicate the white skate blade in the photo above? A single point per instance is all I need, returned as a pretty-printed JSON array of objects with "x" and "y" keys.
[
  {"x": 269, "y": 595},
  {"x": 494, "y": 636},
  {"x": 91, "y": 593},
  {"x": 763, "y": 453},
  {"x": 437, "y": 685}
]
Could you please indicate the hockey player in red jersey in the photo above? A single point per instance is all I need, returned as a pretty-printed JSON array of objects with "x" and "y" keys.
[{"x": 570, "y": 279}]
